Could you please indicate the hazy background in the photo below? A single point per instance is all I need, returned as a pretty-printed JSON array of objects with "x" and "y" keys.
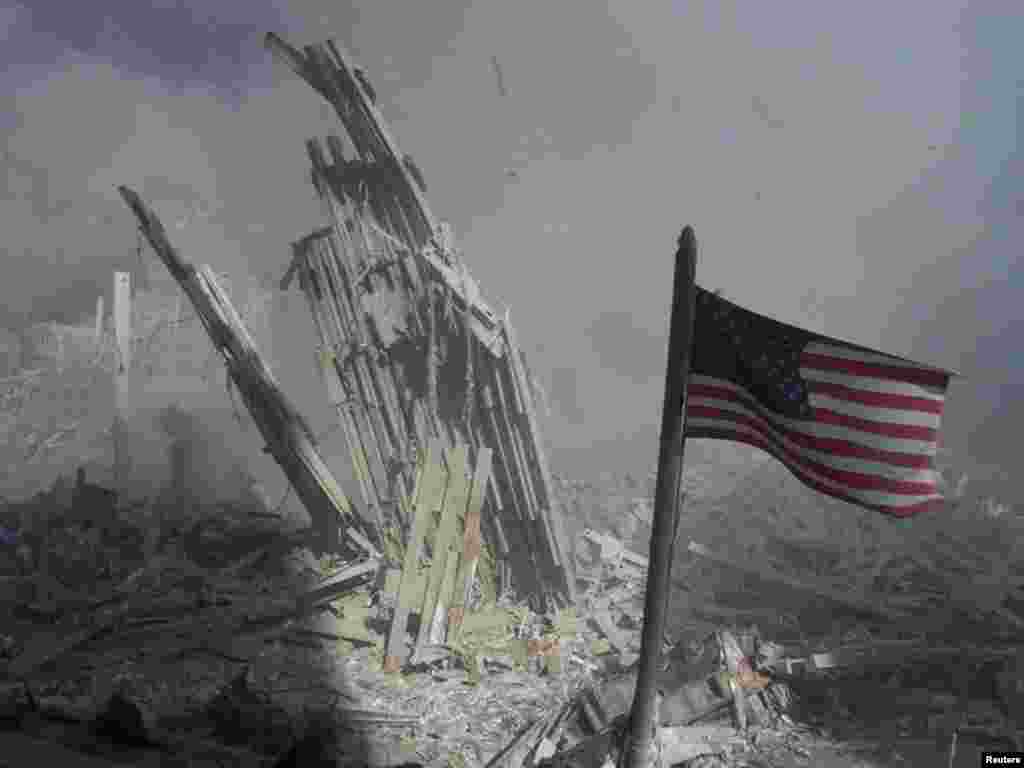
[{"x": 850, "y": 167}]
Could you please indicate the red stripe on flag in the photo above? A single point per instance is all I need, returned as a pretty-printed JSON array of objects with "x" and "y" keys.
[
  {"x": 825, "y": 445},
  {"x": 883, "y": 428},
  {"x": 852, "y": 480},
  {"x": 904, "y": 373},
  {"x": 908, "y": 510},
  {"x": 876, "y": 399}
]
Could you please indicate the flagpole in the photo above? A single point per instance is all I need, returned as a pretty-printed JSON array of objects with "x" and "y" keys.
[{"x": 666, "y": 501}]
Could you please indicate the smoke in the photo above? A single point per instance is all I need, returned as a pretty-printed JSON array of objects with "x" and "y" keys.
[
  {"x": 886, "y": 183},
  {"x": 624, "y": 349},
  {"x": 230, "y": 186}
]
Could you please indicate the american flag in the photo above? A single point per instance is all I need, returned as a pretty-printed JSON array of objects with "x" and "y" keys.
[{"x": 850, "y": 422}]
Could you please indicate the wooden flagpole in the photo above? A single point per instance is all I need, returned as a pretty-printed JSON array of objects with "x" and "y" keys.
[{"x": 666, "y": 501}]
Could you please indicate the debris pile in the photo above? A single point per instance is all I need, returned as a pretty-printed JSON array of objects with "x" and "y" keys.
[
  {"x": 109, "y": 616},
  {"x": 225, "y": 638},
  {"x": 228, "y": 639}
]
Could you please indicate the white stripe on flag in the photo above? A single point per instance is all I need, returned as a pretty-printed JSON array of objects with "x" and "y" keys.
[
  {"x": 844, "y": 353},
  {"x": 870, "y": 384},
  {"x": 875, "y": 412},
  {"x": 835, "y": 461},
  {"x": 870, "y": 497},
  {"x": 812, "y": 428},
  {"x": 872, "y": 358}
]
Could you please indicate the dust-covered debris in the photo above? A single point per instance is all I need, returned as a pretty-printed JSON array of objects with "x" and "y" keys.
[
  {"x": 270, "y": 635},
  {"x": 411, "y": 352}
]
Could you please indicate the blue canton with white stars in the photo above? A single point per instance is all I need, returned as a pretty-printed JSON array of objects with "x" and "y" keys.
[{"x": 752, "y": 351}]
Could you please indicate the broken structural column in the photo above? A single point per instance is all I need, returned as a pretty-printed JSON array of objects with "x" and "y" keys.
[{"x": 289, "y": 439}]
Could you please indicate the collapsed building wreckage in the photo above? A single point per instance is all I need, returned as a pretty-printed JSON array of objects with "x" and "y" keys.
[
  {"x": 410, "y": 350},
  {"x": 412, "y": 358}
]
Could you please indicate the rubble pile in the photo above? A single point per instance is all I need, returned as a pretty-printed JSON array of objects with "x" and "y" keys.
[
  {"x": 109, "y": 617},
  {"x": 846, "y": 608},
  {"x": 225, "y": 639}
]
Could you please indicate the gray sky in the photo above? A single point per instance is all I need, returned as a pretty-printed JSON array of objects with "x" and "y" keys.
[{"x": 850, "y": 167}]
